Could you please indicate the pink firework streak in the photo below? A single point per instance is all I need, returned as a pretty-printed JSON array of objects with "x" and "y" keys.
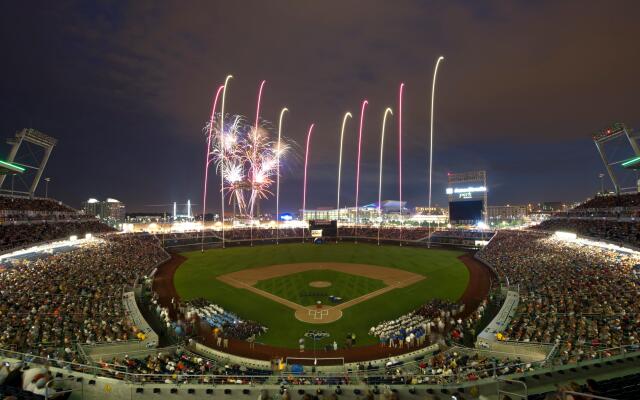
[
  {"x": 400, "y": 148},
  {"x": 364, "y": 105},
  {"x": 306, "y": 162},
  {"x": 208, "y": 155}
]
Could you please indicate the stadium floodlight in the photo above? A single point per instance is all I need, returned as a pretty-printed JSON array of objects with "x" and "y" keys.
[
  {"x": 387, "y": 111},
  {"x": 304, "y": 188},
  {"x": 278, "y": 152},
  {"x": 344, "y": 122},
  {"x": 433, "y": 94}
]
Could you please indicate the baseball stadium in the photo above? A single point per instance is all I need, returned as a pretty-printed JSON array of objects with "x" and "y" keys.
[
  {"x": 328, "y": 254},
  {"x": 347, "y": 307}
]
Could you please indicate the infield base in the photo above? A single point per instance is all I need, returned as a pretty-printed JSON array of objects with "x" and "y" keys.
[{"x": 318, "y": 315}]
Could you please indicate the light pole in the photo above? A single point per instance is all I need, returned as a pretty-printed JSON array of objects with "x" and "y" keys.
[
  {"x": 601, "y": 176},
  {"x": 46, "y": 187}
]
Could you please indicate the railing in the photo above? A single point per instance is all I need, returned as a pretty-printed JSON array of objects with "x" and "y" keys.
[{"x": 487, "y": 373}]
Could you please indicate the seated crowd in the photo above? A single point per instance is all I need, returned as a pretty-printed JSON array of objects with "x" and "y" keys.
[
  {"x": 390, "y": 233},
  {"x": 582, "y": 298},
  {"x": 74, "y": 296},
  {"x": 26, "y": 204},
  {"x": 180, "y": 367},
  {"x": 611, "y": 201},
  {"x": 24, "y": 235},
  {"x": 455, "y": 365},
  {"x": 617, "y": 231}
]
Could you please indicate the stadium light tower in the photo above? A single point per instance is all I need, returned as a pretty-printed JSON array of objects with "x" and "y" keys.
[
  {"x": 433, "y": 94},
  {"x": 27, "y": 138}
]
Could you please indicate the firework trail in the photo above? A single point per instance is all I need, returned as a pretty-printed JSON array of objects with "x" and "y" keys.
[{"x": 247, "y": 157}]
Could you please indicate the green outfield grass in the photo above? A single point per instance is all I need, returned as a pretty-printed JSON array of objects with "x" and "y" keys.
[
  {"x": 446, "y": 278},
  {"x": 295, "y": 287}
]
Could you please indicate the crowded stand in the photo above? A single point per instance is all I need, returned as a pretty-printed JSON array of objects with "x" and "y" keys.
[
  {"x": 180, "y": 367},
  {"x": 611, "y": 201},
  {"x": 616, "y": 231},
  {"x": 73, "y": 297},
  {"x": 582, "y": 298},
  {"x": 25, "y": 205},
  {"x": 386, "y": 233},
  {"x": 22, "y": 235},
  {"x": 465, "y": 366}
]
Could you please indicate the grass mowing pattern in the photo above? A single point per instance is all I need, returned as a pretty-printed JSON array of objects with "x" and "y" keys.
[
  {"x": 295, "y": 287},
  {"x": 446, "y": 278}
]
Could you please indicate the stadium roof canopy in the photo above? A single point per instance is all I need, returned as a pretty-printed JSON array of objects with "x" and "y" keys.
[
  {"x": 632, "y": 163},
  {"x": 10, "y": 168}
]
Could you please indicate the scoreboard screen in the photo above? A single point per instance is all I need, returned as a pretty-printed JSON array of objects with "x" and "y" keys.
[
  {"x": 469, "y": 211},
  {"x": 329, "y": 228}
]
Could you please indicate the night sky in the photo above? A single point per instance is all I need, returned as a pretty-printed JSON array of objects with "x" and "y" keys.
[{"x": 127, "y": 86}]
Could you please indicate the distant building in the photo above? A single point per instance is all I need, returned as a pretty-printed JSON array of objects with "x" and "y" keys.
[
  {"x": 508, "y": 213},
  {"x": 109, "y": 210},
  {"x": 390, "y": 210}
]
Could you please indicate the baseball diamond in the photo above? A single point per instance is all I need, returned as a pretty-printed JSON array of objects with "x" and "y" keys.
[{"x": 267, "y": 284}]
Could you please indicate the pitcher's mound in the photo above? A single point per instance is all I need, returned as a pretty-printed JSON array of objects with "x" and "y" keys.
[
  {"x": 320, "y": 284},
  {"x": 315, "y": 315}
]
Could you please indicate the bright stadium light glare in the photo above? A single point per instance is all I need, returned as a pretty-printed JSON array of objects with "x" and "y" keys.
[
  {"x": 466, "y": 190},
  {"x": 568, "y": 236}
]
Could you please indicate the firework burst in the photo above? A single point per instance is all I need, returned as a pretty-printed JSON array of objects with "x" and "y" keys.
[{"x": 247, "y": 157}]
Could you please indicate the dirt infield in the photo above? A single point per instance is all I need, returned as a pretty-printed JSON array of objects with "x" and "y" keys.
[
  {"x": 392, "y": 277},
  {"x": 320, "y": 284},
  {"x": 479, "y": 284}
]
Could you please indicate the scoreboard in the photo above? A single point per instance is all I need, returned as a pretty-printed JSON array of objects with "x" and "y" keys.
[
  {"x": 323, "y": 228},
  {"x": 467, "y": 192}
]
